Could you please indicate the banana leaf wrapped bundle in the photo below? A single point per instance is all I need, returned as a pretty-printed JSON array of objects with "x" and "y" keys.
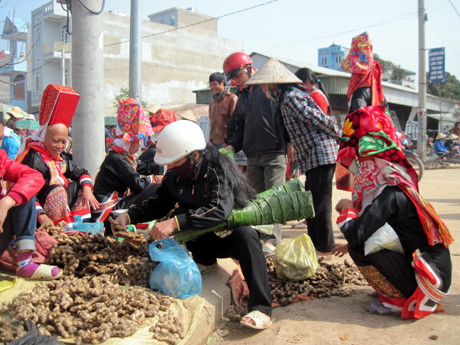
[
  {"x": 293, "y": 185},
  {"x": 277, "y": 205}
]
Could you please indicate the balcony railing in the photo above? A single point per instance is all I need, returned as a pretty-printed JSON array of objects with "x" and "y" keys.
[{"x": 56, "y": 46}]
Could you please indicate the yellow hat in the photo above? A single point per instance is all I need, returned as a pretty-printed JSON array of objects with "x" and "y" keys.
[{"x": 16, "y": 113}]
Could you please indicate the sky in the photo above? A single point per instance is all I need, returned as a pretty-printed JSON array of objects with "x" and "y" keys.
[{"x": 296, "y": 29}]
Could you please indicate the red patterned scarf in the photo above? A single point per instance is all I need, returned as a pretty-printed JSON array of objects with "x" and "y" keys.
[
  {"x": 368, "y": 132},
  {"x": 131, "y": 158},
  {"x": 372, "y": 79}
]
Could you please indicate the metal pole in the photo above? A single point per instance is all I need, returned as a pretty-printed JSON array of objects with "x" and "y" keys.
[
  {"x": 63, "y": 66},
  {"x": 135, "y": 51},
  {"x": 440, "y": 107},
  {"x": 88, "y": 80},
  {"x": 422, "y": 82}
]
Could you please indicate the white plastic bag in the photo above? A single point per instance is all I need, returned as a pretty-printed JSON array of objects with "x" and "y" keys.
[{"x": 383, "y": 238}]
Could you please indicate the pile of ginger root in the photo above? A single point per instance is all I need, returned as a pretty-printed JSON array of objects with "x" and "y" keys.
[
  {"x": 87, "y": 255},
  {"x": 91, "y": 310},
  {"x": 87, "y": 303},
  {"x": 330, "y": 279}
]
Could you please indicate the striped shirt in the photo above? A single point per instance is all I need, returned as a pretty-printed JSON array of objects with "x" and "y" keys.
[{"x": 313, "y": 134}]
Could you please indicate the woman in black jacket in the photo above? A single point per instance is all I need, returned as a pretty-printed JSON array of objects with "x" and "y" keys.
[
  {"x": 123, "y": 180},
  {"x": 206, "y": 185}
]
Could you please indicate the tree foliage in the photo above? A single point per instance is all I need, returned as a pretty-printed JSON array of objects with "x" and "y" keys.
[
  {"x": 124, "y": 93},
  {"x": 390, "y": 71},
  {"x": 449, "y": 90}
]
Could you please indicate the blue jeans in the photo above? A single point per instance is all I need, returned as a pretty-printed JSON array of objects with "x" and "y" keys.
[{"x": 20, "y": 222}]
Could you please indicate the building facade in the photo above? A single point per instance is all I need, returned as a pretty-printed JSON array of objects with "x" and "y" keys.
[
  {"x": 50, "y": 51},
  {"x": 332, "y": 57},
  {"x": 175, "y": 61},
  {"x": 13, "y": 67},
  {"x": 180, "y": 49}
]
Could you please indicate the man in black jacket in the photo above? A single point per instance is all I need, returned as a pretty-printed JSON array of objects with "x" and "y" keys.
[
  {"x": 260, "y": 133},
  {"x": 206, "y": 185}
]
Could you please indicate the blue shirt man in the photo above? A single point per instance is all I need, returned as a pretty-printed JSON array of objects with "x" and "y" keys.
[{"x": 11, "y": 143}]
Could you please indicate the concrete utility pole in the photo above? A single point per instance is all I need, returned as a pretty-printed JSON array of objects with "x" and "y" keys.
[
  {"x": 88, "y": 80},
  {"x": 421, "y": 139},
  {"x": 63, "y": 66},
  {"x": 135, "y": 51}
]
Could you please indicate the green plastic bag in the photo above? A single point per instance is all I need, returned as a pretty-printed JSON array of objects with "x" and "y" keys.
[
  {"x": 296, "y": 260},
  {"x": 229, "y": 153}
]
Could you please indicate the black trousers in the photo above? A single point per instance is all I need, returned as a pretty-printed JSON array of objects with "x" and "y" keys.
[
  {"x": 243, "y": 245},
  {"x": 319, "y": 183},
  {"x": 398, "y": 269}
]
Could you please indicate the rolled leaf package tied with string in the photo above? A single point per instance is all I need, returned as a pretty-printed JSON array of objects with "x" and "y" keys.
[{"x": 275, "y": 206}]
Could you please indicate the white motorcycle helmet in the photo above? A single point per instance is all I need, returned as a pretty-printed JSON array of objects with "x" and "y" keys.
[{"x": 177, "y": 140}]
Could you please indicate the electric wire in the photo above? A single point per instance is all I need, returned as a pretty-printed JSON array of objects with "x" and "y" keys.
[
  {"x": 334, "y": 32},
  {"x": 91, "y": 11},
  {"x": 458, "y": 14},
  {"x": 68, "y": 10},
  {"x": 272, "y": 45},
  {"x": 198, "y": 23}
]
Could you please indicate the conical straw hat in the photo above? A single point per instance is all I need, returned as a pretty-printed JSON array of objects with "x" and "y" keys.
[
  {"x": 153, "y": 108},
  {"x": 188, "y": 115},
  {"x": 441, "y": 136},
  {"x": 273, "y": 72},
  {"x": 451, "y": 136},
  {"x": 16, "y": 113}
]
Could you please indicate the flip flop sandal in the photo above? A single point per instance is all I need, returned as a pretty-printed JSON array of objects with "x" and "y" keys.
[
  {"x": 379, "y": 309},
  {"x": 300, "y": 225},
  {"x": 259, "y": 318},
  {"x": 206, "y": 269},
  {"x": 268, "y": 250},
  {"x": 374, "y": 293},
  {"x": 43, "y": 272}
]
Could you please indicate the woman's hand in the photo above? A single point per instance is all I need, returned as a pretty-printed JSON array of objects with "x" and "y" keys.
[
  {"x": 229, "y": 147},
  {"x": 290, "y": 152},
  {"x": 339, "y": 249},
  {"x": 343, "y": 204},
  {"x": 162, "y": 230},
  {"x": 5, "y": 204},
  {"x": 44, "y": 219},
  {"x": 123, "y": 220},
  {"x": 89, "y": 199}
]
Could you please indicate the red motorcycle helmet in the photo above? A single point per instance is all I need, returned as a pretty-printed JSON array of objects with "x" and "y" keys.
[{"x": 234, "y": 63}]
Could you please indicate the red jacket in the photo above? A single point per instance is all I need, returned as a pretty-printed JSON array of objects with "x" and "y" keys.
[{"x": 26, "y": 181}]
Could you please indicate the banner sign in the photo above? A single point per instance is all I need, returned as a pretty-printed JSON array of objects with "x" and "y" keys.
[{"x": 437, "y": 61}]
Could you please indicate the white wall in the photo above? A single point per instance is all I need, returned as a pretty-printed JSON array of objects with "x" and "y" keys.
[{"x": 173, "y": 64}]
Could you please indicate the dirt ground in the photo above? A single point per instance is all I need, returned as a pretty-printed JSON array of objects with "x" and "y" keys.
[{"x": 325, "y": 321}]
